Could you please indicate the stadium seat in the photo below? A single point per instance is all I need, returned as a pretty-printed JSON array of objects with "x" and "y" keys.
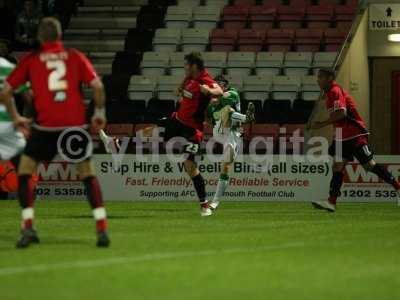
[
  {"x": 287, "y": 134},
  {"x": 277, "y": 111},
  {"x": 235, "y": 81},
  {"x": 176, "y": 64},
  {"x": 263, "y": 138},
  {"x": 157, "y": 109},
  {"x": 334, "y": 39},
  {"x": 188, "y": 3},
  {"x": 345, "y": 16},
  {"x": 250, "y": 40},
  {"x": 126, "y": 112},
  {"x": 116, "y": 86},
  {"x": 262, "y": 17},
  {"x": 290, "y": 16},
  {"x": 141, "y": 88},
  {"x": 195, "y": 39},
  {"x": 297, "y": 63},
  {"x": 301, "y": 111},
  {"x": 220, "y": 4},
  {"x": 272, "y": 3},
  {"x": 120, "y": 130},
  {"x": 215, "y": 62},
  {"x": 308, "y": 39},
  {"x": 240, "y": 63},
  {"x": 285, "y": 87},
  {"x": 279, "y": 40},
  {"x": 178, "y": 17},
  {"x": 167, "y": 40},
  {"x": 269, "y": 63},
  {"x": 235, "y": 17},
  {"x": 319, "y": 16},
  {"x": 323, "y": 60},
  {"x": 310, "y": 90},
  {"x": 206, "y": 17},
  {"x": 167, "y": 86},
  {"x": 223, "y": 40},
  {"x": 154, "y": 63},
  {"x": 256, "y": 87}
]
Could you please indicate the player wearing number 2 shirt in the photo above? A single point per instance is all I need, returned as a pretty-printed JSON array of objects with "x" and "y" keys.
[
  {"x": 56, "y": 75},
  {"x": 351, "y": 137}
]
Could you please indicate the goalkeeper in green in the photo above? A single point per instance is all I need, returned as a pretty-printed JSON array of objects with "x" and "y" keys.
[{"x": 225, "y": 117}]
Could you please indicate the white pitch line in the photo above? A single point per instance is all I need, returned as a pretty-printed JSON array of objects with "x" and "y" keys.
[{"x": 130, "y": 259}]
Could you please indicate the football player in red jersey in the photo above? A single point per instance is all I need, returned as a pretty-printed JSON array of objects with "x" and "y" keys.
[
  {"x": 196, "y": 92},
  {"x": 56, "y": 75},
  {"x": 352, "y": 138}
]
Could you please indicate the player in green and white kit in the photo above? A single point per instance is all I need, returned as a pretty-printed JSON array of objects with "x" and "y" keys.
[
  {"x": 224, "y": 114},
  {"x": 12, "y": 141}
]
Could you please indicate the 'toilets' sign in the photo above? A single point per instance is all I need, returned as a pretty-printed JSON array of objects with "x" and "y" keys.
[{"x": 384, "y": 16}]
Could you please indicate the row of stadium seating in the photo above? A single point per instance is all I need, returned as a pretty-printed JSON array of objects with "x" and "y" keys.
[
  {"x": 263, "y": 63},
  {"x": 260, "y": 17},
  {"x": 280, "y": 135},
  {"x": 253, "y": 87},
  {"x": 186, "y": 40}
]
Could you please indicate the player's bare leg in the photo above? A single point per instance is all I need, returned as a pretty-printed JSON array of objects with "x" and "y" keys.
[
  {"x": 200, "y": 187},
  {"x": 223, "y": 181},
  {"x": 95, "y": 198},
  {"x": 334, "y": 190},
  {"x": 26, "y": 197},
  {"x": 383, "y": 174}
]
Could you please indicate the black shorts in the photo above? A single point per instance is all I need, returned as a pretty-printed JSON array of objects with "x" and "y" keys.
[
  {"x": 355, "y": 148},
  {"x": 173, "y": 128},
  {"x": 72, "y": 145}
]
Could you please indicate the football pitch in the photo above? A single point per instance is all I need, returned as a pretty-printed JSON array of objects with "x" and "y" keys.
[{"x": 167, "y": 251}]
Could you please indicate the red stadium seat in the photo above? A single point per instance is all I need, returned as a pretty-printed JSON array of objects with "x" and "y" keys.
[
  {"x": 286, "y": 144},
  {"x": 272, "y": 3},
  {"x": 245, "y": 2},
  {"x": 262, "y": 17},
  {"x": 120, "y": 130},
  {"x": 235, "y": 17},
  {"x": 279, "y": 40},
  {"x": 291, "y": 16},
  {"x": 345, "y": 16},
  {"x": 251, "y": 40},
  {"x": 223, "y": 40},
  {"x": 308, "y": 40},
  {"x": 319, "y": 16},
  {"x": 334, "y": 39}
]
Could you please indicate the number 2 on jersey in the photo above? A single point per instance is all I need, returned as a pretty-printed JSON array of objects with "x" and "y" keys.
[{"x": 56, "y": 82}]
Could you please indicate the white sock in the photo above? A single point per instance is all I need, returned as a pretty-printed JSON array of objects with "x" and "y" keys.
[
  {"x": 222, "y": 185},
  {"x": 238, "y": 117}
]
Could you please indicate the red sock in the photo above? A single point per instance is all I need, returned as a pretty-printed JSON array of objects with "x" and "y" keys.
[
  {"x": 332, "y": 200},
  {"x": 101, "y": 225},
  {"x": 27, "y": 218},
  {"x": 99, "y": 215},
  {"x": 396, "y": 185}
]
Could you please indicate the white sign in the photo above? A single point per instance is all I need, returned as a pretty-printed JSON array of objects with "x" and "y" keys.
[
  {"x": 288, "y": 180},
  {"x": 384, "y": 16}
]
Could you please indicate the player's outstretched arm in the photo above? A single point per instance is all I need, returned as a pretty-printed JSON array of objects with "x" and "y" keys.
[
  {"x": 99, "y": 116},
  {"x": 333, "y": 118},
  {"x": 215, "y": 91}
]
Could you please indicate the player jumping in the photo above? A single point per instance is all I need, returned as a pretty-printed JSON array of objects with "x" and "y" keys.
[
  {"x": 353, "y": 140},
  {"x": 56, "y": 75},
  {"x": 196, "y": 91},
  {"x": 224, "y": 114}
]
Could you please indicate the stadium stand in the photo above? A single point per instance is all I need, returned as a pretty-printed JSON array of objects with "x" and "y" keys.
[{"x": 270, "y": 50}]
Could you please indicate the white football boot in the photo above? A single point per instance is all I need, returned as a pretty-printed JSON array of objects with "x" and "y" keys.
[
  {"x": 214, "y": 204},
  {"x": 109, "y": 142},
  {"x": 324, "y": 205},
  {"x": 205, "y": 210}
]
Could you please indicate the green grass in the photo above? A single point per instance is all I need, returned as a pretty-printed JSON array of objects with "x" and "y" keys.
[{"x": 166, "y": 251}]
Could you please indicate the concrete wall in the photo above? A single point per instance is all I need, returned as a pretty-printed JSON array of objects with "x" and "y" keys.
[{"x": 354, "y": 72}]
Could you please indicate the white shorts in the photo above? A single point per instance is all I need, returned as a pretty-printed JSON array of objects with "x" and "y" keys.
[
  {"x": 230, "y": 139},
  {"x": 12, "y": 142}
]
